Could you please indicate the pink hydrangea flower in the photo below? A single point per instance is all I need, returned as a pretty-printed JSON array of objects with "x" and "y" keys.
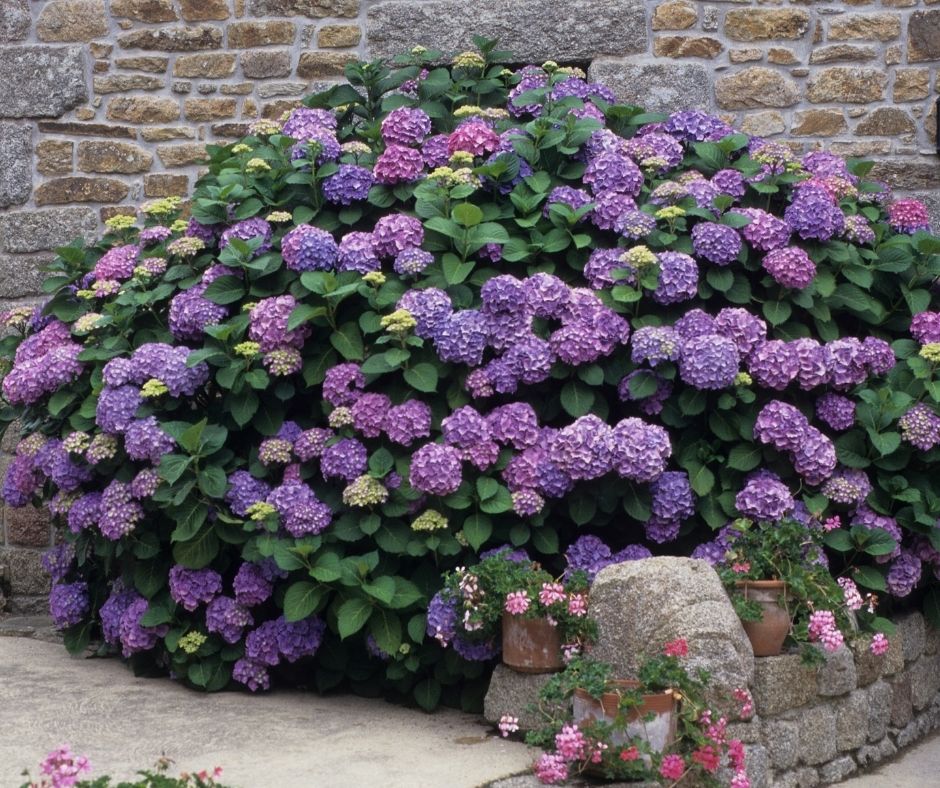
[
  {"x": 879, "y": 644},
  {"x": 747, "y": 702}
]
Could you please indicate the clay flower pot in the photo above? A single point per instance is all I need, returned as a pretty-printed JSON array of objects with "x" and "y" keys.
[
  {"x": 768, "y": 634},
  {"x": 659, "y": 731},
  {"x": 531, "y": 645}
]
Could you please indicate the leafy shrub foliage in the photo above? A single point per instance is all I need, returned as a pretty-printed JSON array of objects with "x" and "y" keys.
[{"x": 442, "y": 309}]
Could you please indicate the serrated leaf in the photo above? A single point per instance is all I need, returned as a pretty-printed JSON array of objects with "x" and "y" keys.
[
  {"x": 301, "y": 600},
  {"x": 477, "y": 528},
  {"x": 348, "y": 341},
  {"x": 422, "y": 377},
  {"x": 576, "y": 398},
  {"x": 351, "y": 616}
]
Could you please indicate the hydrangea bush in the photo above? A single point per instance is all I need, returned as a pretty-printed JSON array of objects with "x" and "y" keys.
[{"x": 442, "y": 309}]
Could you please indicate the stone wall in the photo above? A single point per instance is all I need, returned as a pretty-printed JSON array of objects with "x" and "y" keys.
[{"x": 104, "y": 103}]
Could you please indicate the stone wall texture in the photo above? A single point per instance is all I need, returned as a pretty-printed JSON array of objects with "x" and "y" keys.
[{"x": 104, "y": 103}]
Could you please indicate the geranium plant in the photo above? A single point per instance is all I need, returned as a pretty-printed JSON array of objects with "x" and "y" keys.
[
  {"x": 617, "y": 748},
  {"x": 469, "y": 609},
  {"x": 447, "y": 307}
]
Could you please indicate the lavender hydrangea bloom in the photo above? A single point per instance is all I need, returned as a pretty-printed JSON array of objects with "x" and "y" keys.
[
  {"x": 369, "y": 413},
  {"x": 191, "y": 312},
  {"x": 112, "y": 611},
  {"x": 407, "y": 422},
  {"x": 349, "y": 184},
  {"x": 654, "y": 345},
  {"x": 296, "y": 639},
  {"x": 58, "y": 561},
  {"x": 356, "y": 252},
  {"x": 600, "y": 267},
  {"x": 908, "y": 216},
  {"x": 308, "y": 248},
  {"x": 134, "y": 637},
  {"x": 588, "y": 554},
  {"x": 717, "y": 243},
  {"x": 780, "y": 425},
  {"x": 460, "y": 338},
  {"x": 672, "y": 499},
  {"x": 169, "y": 365},
  {"x": 345, "y": 459},
  {"x": 877, "y": 356},
  {"x": 566, "y": 195},
  {"x": 442, "y": 619},
  {"x": 764, "y": 497},
  {"x": 302, "y": 119},
  {"x": 84, "y": 512},
  {"x": 248, "y": 230},
  {"x": 696, "y": 126},
  {"x": 193, "y": 587},
  {"x": 436, "y": 469},
  {"x": 117, "y": 263},
  {"x": 847, "y": 486},
  {"x": 406, "y": 126},
  {"x": 708, "y": 362},
  {"x": 251, "y": 585},
  {"x": 610, "y": 209},
  {"x": 813, "y": 363},
  {"x": 396, "y": 232},
  {"x": 429, "y": 307},
  {"x": 412, "y": 262},
  {"x": 845, "y": 359},
  {"x": 300, "y": 510},
  {"x": 343, "y": 385},
  {"x": 678, "y": 278},
  {"x": 68, "y": 604},
  {"x": 23, "y": 479},
  {"x": 245, "y": 490},
  {"x": 774, "y": 364},
  {"x": 116, "y": 408},
  {"x": 925, "y": 327},
  {"x": 516, "y": 423},
  {"x": 836, "y": 411},
  {"x": 790, "y": 266},
  {"x": 119, "y": 512},
  {"x": 639, "y": 451},
  {"x": 144, "y": 439},
  {"x": 253, "y": 675},
  {"x": 398, "y": 164},
  {"x": 612, "y": 172},
  {"x": 814, "y": 214},
  {"x": 920, "y": 427},
  {"x": 904, "y": 574},
  {"x": 464, "y": 428},
  {"x": 815, "y": 458},
  {"x": 227, "y": 618},
  {"x": 764, "y": 232},
  {"x": 582, "y": 450}
]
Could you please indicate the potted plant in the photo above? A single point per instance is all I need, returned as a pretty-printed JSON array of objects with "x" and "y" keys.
[
  {"x": 653, "y": 727},
  {"x": 541, "y": 620},
  {"x": 778, "y": 578}
]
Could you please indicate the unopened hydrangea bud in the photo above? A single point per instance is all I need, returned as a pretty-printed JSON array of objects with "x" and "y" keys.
[
  {"x": 340, "y": 417},
  {"x": 264, "y": 127},
  {"x": 241, "y": 147},
  {"x": 120, "y": 222},
  {"x": 469, "y": 60},
  {"x": 374, "y": 278},
  {"x": 186, "y": 246},
  {"x": 102, "y": 447},
  {"x": 670, "y": 211},
  {"x": 461, "y": 158},
  {"x": 283, "y": 361},
  {"x": 356, "y": 148},
  {"x": 161, "y": 207},
  {"x": 365, "y": 491},
  {"x": 419, "y": 50},
  {"x": 443, "y": 174},
  {"x": 464, "y": 175},
  {"x": 260, "y": 511},
  {"x": 461, "y": 539},
  {"x": 247, "y": 349},
  {"x": 467, "y": 111},
  {"x": 191, "y": 642},
  {"x": 278, "y": 216},
  {"x": 572, "y": 71},
  {"x": 153, "y": 388},
  {"x": 404, "y": 649},
  {"x": 256, "y": 165},
  {"x": 249, "y": 305},
  {"x": 549, "y": 66},
  {"x": 399, "y": 322},
  {"x": 743, "y": 379},
  {"x": 275, "y": 451},
  {"x": 931, "y": 352},
  {"x": 430, "y": 520},
  {"x": 86, "y": 294},
  {"x": 639, "y": 257},
  {"x": 86, "y": 323},
  {"x": 179, "y": 226},
  {"x": 18, "y": 317},
  {"x": 106, "y": 287},
  {"x": 76, "y": 442}
]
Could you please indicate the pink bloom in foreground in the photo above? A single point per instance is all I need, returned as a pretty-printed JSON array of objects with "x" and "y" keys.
[
  {"x": 676, "y": 648},
  {"x": 517, "y": 602},
  {"x": 63, "y": 767},
  {"x": 747, "y": 702},
  {"x": 571, "y": 744},
  {"x": 508, "y": 724},
  {"x": 551, "y": 593},
  {"x": 879, "y": 644},
  {"x": 551, "y": 769},
  {"x": 672, "y": 767},
  {"x": 577, "y": 604}
]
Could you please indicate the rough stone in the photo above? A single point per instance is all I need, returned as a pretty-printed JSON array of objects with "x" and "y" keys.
[
  {"x": 782, "y": 740},
  {"x": 339, "y": 36},
  {"x": 199, "y": 110},
  {"x": 875, "y": 753},
  {"x": 925, "y": 681},
  {"x": 26, "y": 572},
  {"x": 748, "y": 55},
  {"x": 512, "y": 693},
  {"x": 659, "y": 87},
  {"x": 837, "y": 770},
  {"x": 847, "y": 84},
  {"x": 918, "y": 728},
  {"x": 836, "y": 52},
  {"x": 86, "y": 129},
  {"x": 155, "y": 65},
  {"x": 113, "y": 157},
  {"x": 902, "y": 708},
  {"x": 782, "y": 683},
  {"x": 15, "y": 155},
  {"x": 818, "y": 123},
  {"x": 80, "y": 189},
  {"x": 122, "y": 83},
  {"x": 173, "y": 39},
  {"x": 886, "y": 122},
  {"x": 910, "y": 626},
  {"x": 263, "y": 64},
  {"x": 182, "y": 155},
  {"x": 674, "y": 15},
  {"x": 764, "y": 124},
  {"x": 316, "y": 65},
  {"x": 931, "y": 635},
  {"x": 687, "y": 46},
  {"x": 144, "y": 10},
  {"x": 40, "y": 81},
  {"x": 894, "y": 656},
  {"x": 208, "y": 65},
  {"x": 164, "y": 133},
  {"x": 752, "y": 24},
  {"x": 639, "y": 605},
  {"x": 165, "y": 184},
  {"x": 314, "y": 9},
  {"x": 143, "y": 109},
  {"x": 870, "y": 27},
  {"x": 837, "y": 675},
  {"x": 923, "y": 36},
  {"x": 879, "y": 710},
  {"x": 238, "y": 89},
  {"x": 273, "y": 89},
  {"x": 817, "y": 735},
  {"x": 852, "y": 720},
  {"x": 755, "y": 87},
  {"x": 532, "y": 30},
  {"x": 54, "y": 157},
  {"x": 36, "y": 231},
  {"x": 15, "y": 20},
  {"x": 757, "y": 766},
  {"x": 72, "y": 20},
  {"x": 203, "y": 10},
  {"x": 782, "y": 56},
  {"x": 911, "y": 84},
  {"x": 806, "y": 777},
  {"x": 868, "y": 666},
  {"x": 22, "y": 276},
  {"x": 231, "y": 130},
  {"x": 27, "y": 526},
  {"x": 245, "y": 35}
]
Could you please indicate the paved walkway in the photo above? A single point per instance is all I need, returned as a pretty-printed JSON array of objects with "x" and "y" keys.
[{"x": 281, "y": 740}]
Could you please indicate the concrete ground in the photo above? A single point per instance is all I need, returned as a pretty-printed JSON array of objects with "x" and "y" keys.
[{"x": 281, "y": 740}]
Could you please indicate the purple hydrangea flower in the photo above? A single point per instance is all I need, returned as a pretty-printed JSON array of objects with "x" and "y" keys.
[
  {"x": 253, "y": 675},
  {"x": 696, "y": 126},
  {"x": 398, "y": 164},
  {"x": 251, "y": 585},
  {"x": 815, "y": 458},
  {"x": 780, "y": 425},
  {"x": 765, "y": 232},
  {"x": 406, "y": 126},
  {"x": 460, "y": 338},
  {"x": 343, "y": 385},
  {"x": 903, "y": 574},
  {"x": 473, "y": 136},
  {"x": 464, "y": 428},
  {"x": 429, "y": 307},
  {"x": 836, "y": 411},
  {"x": 68, "y": 604},
  {"x": 58, "y": 561},
  {"x": 356, "y": 252},
  {"x": 369, "y": 414},
  {"x": 790, "y": 266},
  {"x": 436, "y": 469},
  {"x": 308, "y": 248},
  {"x": 117, "y": 263},
  {"x": 442, "y": 618},
  {"x": 268, "y": 324},
  {"x": 920, "y": 427},
  {"x": 146, "y": 440},
  {"x": 407, "y": 422},
  {"x": 194, "y": 587},
  {"x": 717, "y": 243},
  {"x": 813, "y": 363},
  {"x": 245, "y": 490},
  {"x": 582, "y": 450},
  {"x": 227, "y": 618},
  {"x": 814, "y": 214},
  {"x": 396, "y": 232},
  {"x": 925, "y": 327},
  {"x": 296, "y": 639},
  {"x": 678, "y": 278},
  {"x": 639, "y": 451},
  {"x": 672, "y": 497},
  {"x": 774, "y": 364},
  {"x": 708, "y": 362},
  {"x": 84, "y": 513},
  {"x": 248, "y": 230},
  {"x": 113, "y": 610},
  {"x": 612, "y": 172},
  {"x": 764, "y": 497},
  {"x": 588, "y": 554},
  {"x": 350, "y": 183},
  {"x": 346, "y": 459},
  {"x": 119, "y": 512},
  {"x": 412, "y": 262},
  {"x": 908, "y": 216},
  {"x": 847, "y": 486},
  {"x": 134, "y": 637},
  {"x": 191, "y": 312}
]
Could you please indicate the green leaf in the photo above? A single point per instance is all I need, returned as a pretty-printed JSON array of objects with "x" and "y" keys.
[
  {"x": 467, "y": 215},
  {"x": 172, "y": 466},
  {"x": 352, "y": 616},
  {"x": 720, "y": 278},
  {"x": 499, "y": 503},
  {"x": 155, "y": 615},
  {"x": 427, "y": 693},
  {"x": 303, "y": 313},
  {"x": 189, "y": 519},
  {"x": 385, "y": 627},
  {"x": 406, "y": 594},
  {"x": 477, "y": 528},
  {"x": 744, "y": 457},
  {"x": 327, "y": 568},
  {"x": 212, "y": 481},
  {"x": 225, "y": 290},
  {"x": 885, "y": 442},
  {"x": 301, "y": 600},
  {"x": 199, "y": 552},
  {"x": 576, "y": 398},
  {"x": 702, "y": 480},
  {"x": 149, "y": 577},
  {"x": 869, "y": 577},
  {"x": 455, "y": 270},
  {"x": 243, "y": 406},
  {"x": 643, "y": 384},
  {"x": 212, "y": 674},
  {"x": 381, "y": 588},
  {"x": 545, "y": 540},
  {"x": 838, "y": 540},
  {"x": 422, "y": 377},
  {"x": 348, "y": 341},
  {"x": 777, "y": 312},
  {"x": 60, "y": 401}
]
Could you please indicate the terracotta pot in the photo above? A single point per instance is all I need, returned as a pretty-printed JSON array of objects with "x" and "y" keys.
[
  {"x": 531, "y": 645},
  {"x": 660, "y": 731},
  {"x": 768, "y": 634}
]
